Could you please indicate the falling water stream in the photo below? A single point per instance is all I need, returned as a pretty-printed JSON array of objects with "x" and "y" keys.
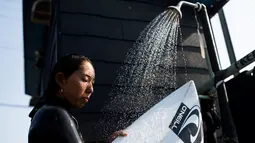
[{"x": 148, "y": 72}]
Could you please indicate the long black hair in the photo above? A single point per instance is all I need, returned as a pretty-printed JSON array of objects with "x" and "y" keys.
[{"x": 67, "y": 65}]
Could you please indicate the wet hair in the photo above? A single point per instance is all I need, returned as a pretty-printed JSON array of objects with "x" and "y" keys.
[{"x": 67, "y": 65}]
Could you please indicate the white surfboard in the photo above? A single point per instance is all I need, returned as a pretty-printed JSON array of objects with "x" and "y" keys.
[{"x": 175, "y": 119}]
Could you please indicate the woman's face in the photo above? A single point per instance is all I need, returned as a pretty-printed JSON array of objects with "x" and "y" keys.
[{"x": 78, "y": 88}]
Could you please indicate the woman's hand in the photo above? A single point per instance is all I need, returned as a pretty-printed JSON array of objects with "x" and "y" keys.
[{"x": 116, "y": 134}]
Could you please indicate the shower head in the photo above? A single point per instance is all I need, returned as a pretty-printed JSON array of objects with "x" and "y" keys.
[
  {"x": 176, "y": 8},
  {"x": 197, "y": 6}
]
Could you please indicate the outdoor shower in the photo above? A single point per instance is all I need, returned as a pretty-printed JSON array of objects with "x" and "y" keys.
[{"x": 217, "y": 79}]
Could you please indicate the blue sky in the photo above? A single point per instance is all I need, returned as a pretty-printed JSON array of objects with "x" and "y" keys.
[
  {"x": 13, "y": 101},
  {"x": 14, "y": 121},
  {"x": 11, "y": 55}
]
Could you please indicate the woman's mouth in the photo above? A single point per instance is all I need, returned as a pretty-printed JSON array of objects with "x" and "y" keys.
[{"x": 85, "y": 99}]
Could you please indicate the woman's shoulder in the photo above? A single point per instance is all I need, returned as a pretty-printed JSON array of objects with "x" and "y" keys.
[
  {"x": 48, "y": 111},
  {"x": 54, "y": 123},
  {"x": 51, "y": 114}
]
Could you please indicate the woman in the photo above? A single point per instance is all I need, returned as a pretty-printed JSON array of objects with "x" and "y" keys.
[{"x": 70, "y": 86}]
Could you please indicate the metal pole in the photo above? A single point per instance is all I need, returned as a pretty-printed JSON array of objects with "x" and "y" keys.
[
  {"x": 228, "y": 127},
  {"x": 227, "y": 37},
  {"x": 208, "y": 34}
]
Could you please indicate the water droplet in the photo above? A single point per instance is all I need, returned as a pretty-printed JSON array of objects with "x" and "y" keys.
[{"x": 147, "y": 75}]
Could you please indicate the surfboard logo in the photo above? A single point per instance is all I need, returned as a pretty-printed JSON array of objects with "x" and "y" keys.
[{"x": 186, "y": 124}]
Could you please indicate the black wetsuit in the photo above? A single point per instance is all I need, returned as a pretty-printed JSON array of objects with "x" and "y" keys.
[{"x": 51, "y": 122}]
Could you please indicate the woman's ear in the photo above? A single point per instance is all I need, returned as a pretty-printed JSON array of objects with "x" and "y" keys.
[{"x": 60, "y": 79}]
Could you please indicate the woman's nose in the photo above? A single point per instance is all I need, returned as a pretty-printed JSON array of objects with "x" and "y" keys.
[{"x": 90, "y": 88}]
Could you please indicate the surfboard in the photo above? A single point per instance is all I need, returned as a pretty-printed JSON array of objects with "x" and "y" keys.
[{"x": 175, "y": 119}]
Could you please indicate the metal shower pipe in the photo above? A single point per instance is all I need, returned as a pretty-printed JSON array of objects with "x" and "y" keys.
[{"x": 197, "y": 6}]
